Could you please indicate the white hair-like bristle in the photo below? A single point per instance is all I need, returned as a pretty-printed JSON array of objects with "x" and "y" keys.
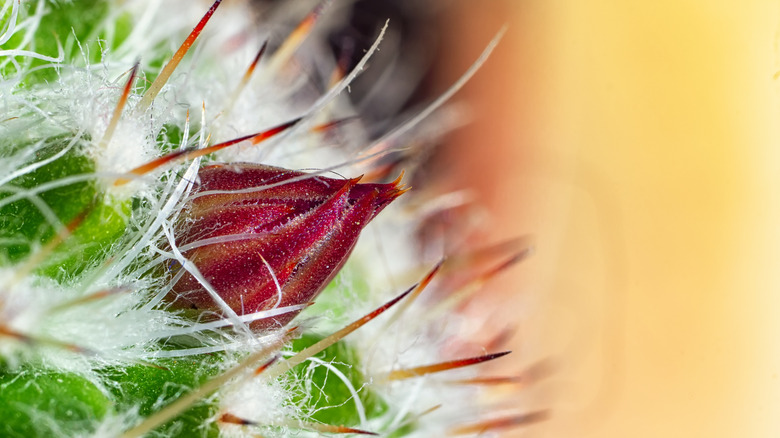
[{"x": 113, "y": 313}]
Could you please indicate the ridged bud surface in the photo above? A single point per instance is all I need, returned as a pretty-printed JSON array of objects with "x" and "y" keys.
[{"x": 266, "y": 237}]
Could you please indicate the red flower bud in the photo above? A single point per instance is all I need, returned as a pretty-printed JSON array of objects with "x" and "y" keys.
[{"x": 267, "y": 237}]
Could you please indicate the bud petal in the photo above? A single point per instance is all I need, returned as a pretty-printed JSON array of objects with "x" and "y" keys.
[{"x": 250, "y": 227}]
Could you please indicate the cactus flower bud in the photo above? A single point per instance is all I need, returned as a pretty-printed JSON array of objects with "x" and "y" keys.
[{"x": 266, "y": 237}]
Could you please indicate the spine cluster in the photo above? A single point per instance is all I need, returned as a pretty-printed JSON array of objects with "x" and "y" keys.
[{"x": 181, "y": 187}]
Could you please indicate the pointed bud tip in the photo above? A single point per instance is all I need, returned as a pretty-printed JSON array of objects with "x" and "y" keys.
[{"x": 387, "y": 193}]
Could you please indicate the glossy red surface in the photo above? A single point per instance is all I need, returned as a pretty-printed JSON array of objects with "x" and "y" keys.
[{"x": 248, "y": 223}]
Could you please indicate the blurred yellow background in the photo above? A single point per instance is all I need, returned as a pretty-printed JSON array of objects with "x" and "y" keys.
[{"x": 638, "y": 143}]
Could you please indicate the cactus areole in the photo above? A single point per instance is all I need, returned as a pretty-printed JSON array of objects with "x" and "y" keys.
[{"x": 265, "y": 237}]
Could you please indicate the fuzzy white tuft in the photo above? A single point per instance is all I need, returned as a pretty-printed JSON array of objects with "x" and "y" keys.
[{"x": 114, "y": 313}]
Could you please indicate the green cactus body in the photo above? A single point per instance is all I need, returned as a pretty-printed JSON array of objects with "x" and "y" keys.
[
  {"x": 148, "y": 388},
  {"x": 75, "y": 29},
  {"x": 26, "y": 226},
  {"x": 42, "y": 403},
  {"x": 328, "y": 396}
]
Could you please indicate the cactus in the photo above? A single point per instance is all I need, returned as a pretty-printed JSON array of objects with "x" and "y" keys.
[{"x": 154, "y": 248}]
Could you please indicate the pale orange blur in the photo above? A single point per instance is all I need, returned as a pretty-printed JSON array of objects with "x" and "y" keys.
[{"x": 638, "y": 143}]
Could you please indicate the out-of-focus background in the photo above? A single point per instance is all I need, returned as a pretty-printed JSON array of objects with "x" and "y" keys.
[{"x": 638, "y": 142}]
